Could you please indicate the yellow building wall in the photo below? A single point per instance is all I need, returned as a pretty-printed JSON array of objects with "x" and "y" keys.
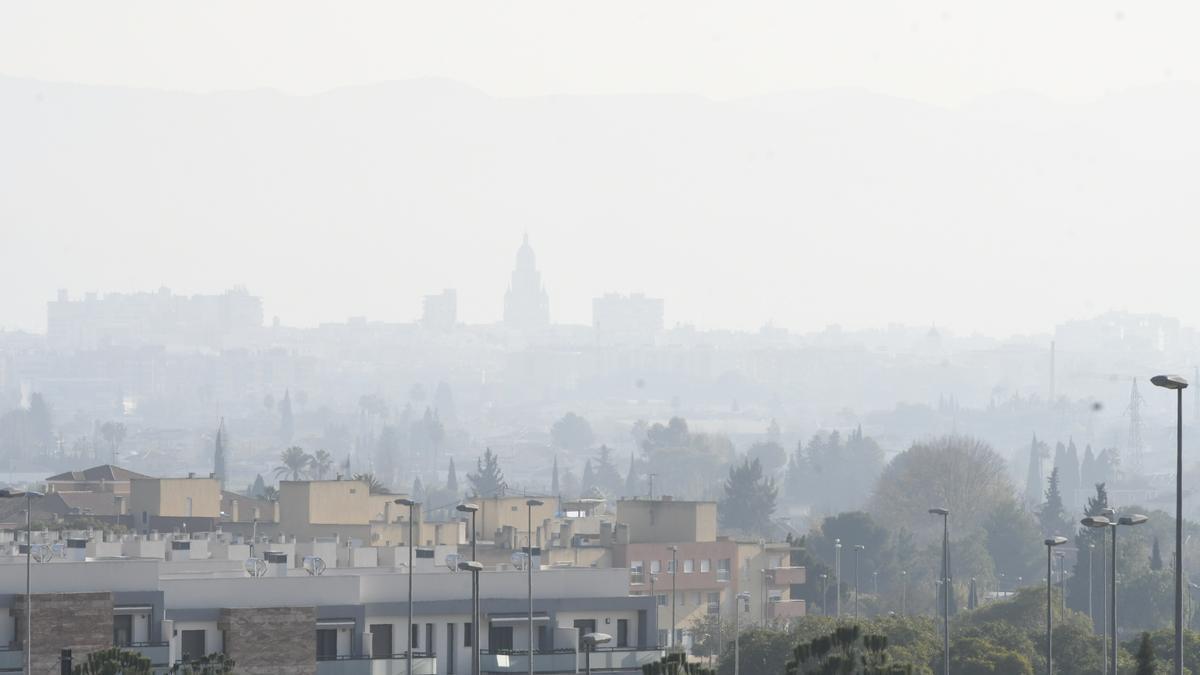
[
  {"x": 175, "y": 497},
  {"x": 497, "y": 512},
  {"x": 657, "y": 521}
]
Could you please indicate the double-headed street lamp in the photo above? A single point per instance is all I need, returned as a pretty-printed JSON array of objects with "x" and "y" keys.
[
  {"x": 945, "y": 514},
  {"x": 529, "y": 504},
  {"x": 590, "y": 642},
  {"x": 1050, "y": 544},
  {"x": 411, "y": 543},
  {"x": 1178, "y": 384},
  {"x": 473, "y": 509},
  {"x": 1110, "y": 521},
  {"x": 28, "y": 495}
]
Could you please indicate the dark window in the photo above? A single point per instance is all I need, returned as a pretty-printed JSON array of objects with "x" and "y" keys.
[
  {"x": 450, "y": 648},
  {"x": 500, "y": 639},
  {"x": 543, "y": 642},
  {"x": 381, "y": 640},
  {"x": 193, "y": 645},
  {"x": 429, "y": 639},
  {"x": 326, "y": 643},
  {"x": 414, "y": 639},
  {"x": 467, "y": 633},
  {"x": 585, "y": 626},
  {"x": 123, "y": 630},
  {"x": 622, "y": 632}
]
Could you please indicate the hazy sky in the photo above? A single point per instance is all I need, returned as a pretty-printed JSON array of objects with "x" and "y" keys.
[{"x": 952, "y": 54}]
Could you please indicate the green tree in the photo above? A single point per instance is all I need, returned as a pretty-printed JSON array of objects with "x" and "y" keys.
[
  {"x": 374, "y": 485},
  {"x": 749, "y": 500},
  {"x": 605, "y": 475},
  {"x": 572, "y": 432},
  {"x": 958, "y": 472},
  {"x": 488, "y": 479},
  {"x": 632, "y": 483},
  {"x": 294, "y": 463},
  {"x": 1156, "y": 563},
  {"x": 287, "y": 424},
  {"x": 452, "y": 478},
  {"x": 114, "y": 661},
  {"x": 770, "y": 454},
  {"x": 1013, "y": 540},
  {"x": 113, "y": 434},
  {"x": 322, "y": 463},
  {"x": 212, "y": 664},
  {"x": 762, "y": 650},
  {"x": 1145, "y": 657},
  {"x": 1052, "y": 517}
]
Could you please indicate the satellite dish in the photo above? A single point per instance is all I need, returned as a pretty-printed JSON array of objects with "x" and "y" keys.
[
  {"x": 314, "y": 565},
  {"x": 519, "y": 559},
  {"x": 256, "y": 567},
  {"x": 42, "y": 553},
  {"x": 452, "y": 560}
]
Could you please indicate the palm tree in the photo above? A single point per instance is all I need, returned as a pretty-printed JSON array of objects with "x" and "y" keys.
[
  {"x": 270, "y": 493},
  {"x": 374, "y": 485},
  {"x": 322, "y": 462},
  {"x": 295, "y": 463}
]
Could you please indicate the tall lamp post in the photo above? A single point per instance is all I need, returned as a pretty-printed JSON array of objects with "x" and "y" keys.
[
  {"x": 1111, "y": 521},
  {"x": 474, "y": 567},
  {"x": 590, "y": 641},
  {"x": 28, "y": 495},
  {"x": 945, "y": 514},
  {"x": 473, "y": 509},
  {"x": 903, "y": 592},
  {"x": 674, "y": 553},
  {"x": 837, "y": 578},
  {"x": 737, "y": 628},
  {"x": 411, "y": 543},
  {"x": 1050, "y": 544},
  {"x": 1062, "y": 585},
  {"x": 1091, "y": 588},
  {"x": 824, "y": 594},
  {"x": 1178, "y": 384},
  {"x": 529, "y": 504},
  {"x": 858, "y": 548}
]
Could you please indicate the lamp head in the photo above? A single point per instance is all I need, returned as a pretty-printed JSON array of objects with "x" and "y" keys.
[
  {"x": 1135, "y": 519},
  {"x": 593, "y": 639},
  {"x": 534, "y": 502},
  {"x": 404, "y": 501},
  {"x": 1056, "y": 541},
  {"x": 1169, "y": 382},
  {"x": 859, "y": 547},
  {"x": 940, "y": 511},
  {"x": 8, "y": 493},
  {"x": 466, "y": 508},
  {"x": 470, "y": 566},
  {"x": 1095, "y": 521}
]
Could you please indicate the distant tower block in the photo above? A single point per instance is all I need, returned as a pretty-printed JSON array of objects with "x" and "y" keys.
[{"x": 1136, "y": 449}]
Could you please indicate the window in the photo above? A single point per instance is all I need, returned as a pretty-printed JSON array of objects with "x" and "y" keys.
[
  {"x": 714, "y": 603},
  {"x": 662, "y": 599},
  {"x": 381, "y": 640},
  {"x": 723, "y": 569},
  {"x": 326, "y": 644},
  {"x": 429, "y": 639},
  {"x": 704, "y": 565},
  {"x": 543, "y": 639},
  {"x": 467, "y": 634},
  {"x": 585, "y": 626},
  {"x": 514, "y": 509},
  {"x": 689, "y": 566},
  {"x": 774, "y": 595},
  {"x": 500, "y": 639},
  {"x": 123, "y": 630},
  {"x": 746, "y": 569},
  {"x": 414, "y": 638},
  {"x": 635, "y": 573},
  {"x": 655, "y": 567},
  {"x": 662, "y": 637},
  {"x": 450, "y": 648},
  {"x": 670, "y": 567},
  {"x": 622, "y": 632},
  {"x": 192, "y": 644},
  {"x": 696, "y": 598}
]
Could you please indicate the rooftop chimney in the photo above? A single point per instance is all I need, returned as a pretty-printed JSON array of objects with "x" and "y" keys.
[
  {"x": 276, "y": 563},
  {"x": 181, "y": 549},
  {"x": 76, "y": 550}
]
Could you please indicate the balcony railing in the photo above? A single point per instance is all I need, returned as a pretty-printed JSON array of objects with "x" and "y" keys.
[
  {"x": 637, "y": 577},
  {"x": 567, "y": 660},
  {"x": 785, "y": 609},
  {"x": 393, "y": 664}
]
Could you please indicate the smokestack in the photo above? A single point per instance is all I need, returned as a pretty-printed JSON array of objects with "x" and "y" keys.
[{"x": 276, "y": 563}]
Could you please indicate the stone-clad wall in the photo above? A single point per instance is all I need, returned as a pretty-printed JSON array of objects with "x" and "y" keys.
[
  {"x": 81, "y": 622},
  {"x": 271, "y": 640}
]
